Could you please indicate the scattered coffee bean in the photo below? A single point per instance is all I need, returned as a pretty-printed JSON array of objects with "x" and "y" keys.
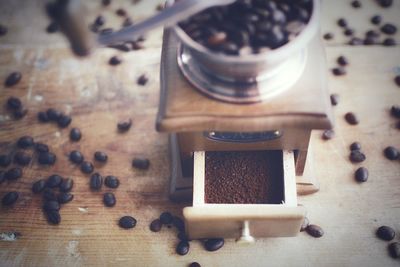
[
  {"x": 398, "y": 125},
  {"x": 394, "y": 250},
  {"x": 20, "y": 113},
  {"x": 13, "y": 174},
  {"x": 356, "y": 41},
  {"x": 100, "y": 20},
  {"x": 111, "y": 181},
  {"x": 141, "y": 163},
  {"x": 53, "y": 114},
  {"x": 156, "y": 225},
  {"x": 53, "y": 216},
  {"x": 100, "y": 156},
  {"x": 96, "y": 181},
  {"x": 38, "y": 186},
  {"x": 304, "y": 225},
  {"x": 106, "y": 2},
  {"x": 115, "y": 60},
  {"x": 328, "y": 134},
  {"x": 66, "y": 185},
  {"x": 334, "y": 99},
  {"x": 361, "y": 174},
  {"x": 47, "y": 158},
  {"x": 356, "y": 156},
  {"x": 127, "y": 22},
  {"x": 376, "y": 20},
  {"x": 385, "y": 3},
  {"x": 182, "y": 248},
  {"x": 342, "y": 61},
  {"x": 64, "y": 197},
  {"x": 142, "y": 80},
  {"x": 338, "y": 71},
  {"x": 194, "y": 264},
  {"x": 54, "y": 181},
  {"x": 395, "y": 111},
  {"x": 3, "y": 30},
  {"x": 391, "y": 153},
  {"x": 52, "y": 27},
  {"x": 160, "y": 7},
  {"x": 22, "y": 158},
  {"x": 76, "y": 157},
  {"x": 397, "y": 80},
  {"x": 13, "y": 78},
  {"x": 385, "y": 233},
  {"x": 2, "y": 178},
  {"x": 87, "y": 167},
  {"x": 49, "y": 194},
  {"x": 355, "y": 146},
  {"x": 41, "y": 148},
  {"x": 389, "y": 29},
  {"x": 351, "y": 118},
  {"x": 314, "y": 230},
  {"x": 178, "y": 223},
  {"x": 109, "y": 199},
  {"x": 127, "y": 222},
  {"x": 14, "y": 103},
  {"x": 214, "y": 244},
  {"x": 121, "y": 12},
  {"x": 356, "y": 4},
  {"x": 348, "y": 32},
  {"x": 75, "y": 134},
  {"x": 5, "y": 160},
  {"x": 328, "y": 36},
  {"x": 342, "y": 22},
  {"x": 166, "y": 218},
  {"x": 124, "y": 126},
  {"x": 51, "y": 205},
  {"x": 42, "y": 116},
  {"x": 10, "y": 198},
  {"x": 389, "y": 42},
  {"x": 64, "y": 121},
  {"x": 25, "y": 142},
  {"x": 121, "y": 47}
]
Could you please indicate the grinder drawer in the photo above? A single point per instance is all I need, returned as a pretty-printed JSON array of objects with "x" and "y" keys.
[{"x": 243, "y": 195}]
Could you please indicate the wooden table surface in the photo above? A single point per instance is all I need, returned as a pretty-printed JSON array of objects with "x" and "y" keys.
[{"x": 97, "y": 96}]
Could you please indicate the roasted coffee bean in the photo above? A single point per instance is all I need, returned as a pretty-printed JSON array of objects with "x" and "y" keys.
[
  {"x": 385, "y": 3},
  {"x": 389, "y": 29},
  {"x": 348, "y": 32},
  {"x": 398, "y": 125},
  {"x": 361, "y": 174},
  {"x": 64, "y": 121},
  {"x": 124, "y": 125},
  {"x": 13, "y": 174},
  {"x": 96, "y": 181},
  {"x": 127, "y": 22},
  {"x": 389, "y": 42},
  {"x": 356, "y": 4},
  {"x": 14, "y": 103},
  {"x": 166, "y": 218},
  {"x": 42, "y": 116},
  {"x": 356, "y": 156},
  {"x": 370, "y": 41},
  {"x": 397, "y": 80},
  {"x": 155, "y": 225},
  {"x": 194, "y": 264},
  {"x": 47, "y": 158},
  {"x": 53, "y": 216},
  {"x": 314, "y": 230},
  {"x": 328, "y": 36},
  {"x": 141, "y": 163},
  {"x": 25, "y": 142},
  {"x": 178, "y": 223},
  {"x": 342, "y": 22},
  {"x": 54, "y": 181},
  {"x": 142, "y": 80},
  {"x": 49, "y": 194},
  {"x": 214, "y": 244},
  {"x": 334, "y": 99},
  {"x": 5, "y": 160},
  {"x": 182, "y": 248},
  {"x": 120, "y": 12},
  {"x": 304, "y": 225},
  {"x": 20, "y": 113},
  {"x": 52, "y": 27},
  {"x": 385, "y": 233},
  {"x": 376, "y": 20},
  {"x": 10, "y": 198},
  {"x": 66, "y": 185},
  {"x": 338, "y": 71},
  {"x": 395, "y": 111},
  {"x": 22, "y": 158},
  {"x": 356, "y": 41},
  {"x": 76, "y": 157},
  {"x": 3, "y": 30},
  {"x": 38, "y": 186},
  {"x": 328, "y": 134},
  {"x": 41, "y": 148},
  {"x": 391, "y": 153},
  {"x": 13, "y": 78},
  {"x": 121, "y": 47},
  {"x": 64, "y": 197},
  {"x": 355, "y": 146},
  {"x": 51, "y": 205},
  {"x": 109, "y": 199},
  {"x": 87, "y": 167},
  {"x": 351, "y": 118},
  {"x": 115, "y": 60},
  {"x": 106, "y": 2},
  {"x": 111, "y": 181},
  {"x": 100, "y": 20},
  {"x": 2, "y": 177},
  {"x": 342, "y": 61},
  {"x": 53, "y": 114},
  {"x": 100, "y": 156},
  {"x": 394, "y": 250},
  {"x": 127, "y": 222}
]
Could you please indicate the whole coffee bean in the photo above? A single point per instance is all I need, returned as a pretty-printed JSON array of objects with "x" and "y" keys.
[
  {"x": 49, "y": 194},
  {"x": 127, "y": 22},
  {"x": 214, "y": 244},
  {"x": 155, "y": 225},
  {"x": 76, "y": 157},
  {"x": 356, "y": 4},
  {"x": 22, "y": 158},
  {"x": 142, "y": 80},
  {"x": 111, "y": 181},
  {"x": 5, "y": 160},
  {"x": 355, "y": 146},
  {"x": 52, "y": 27},
  {"x": 385, "y": 3},
  {"x": 66, "y": 185},
  {"x": 2, "y": 178},
  {"x": 100, "y": 156},
  {"x": 10, "y": 198},
  {"x": 14, "y": 103},
  {"x": 194, "y": 264},
  {"x": 124, "y": 125},
  {"x": 109, "y": 199},
  {"x": 328, "y": 134},
  {"x": 376, "y": 20},
  {"x": 370, "y": 41},
  {"x": 178, "y": 223},
  {"x": 75, "y": 134},
  {"x": 361, "y": 174},
  {"x": 391, "y": 153},
  {"x": 100, "y": 20},
  {"x": 338, "y": 71},
  {"x": 351, "y": 118},
  {"x": 53, "y": 216},
  {"x": 3, "y": 30},
  {"x": 394, "y": 250},
  {"x": 127, "y": 222},
  {"x": 141, "y": 163},
  {"x": 328, "y": 36},
  {"x": 47, "y": 158},
  {"x": 397, "y": 80},
  {"x": 41, "y": 148},
  {"x": 64, "y": 121},
  {"x": 13, "y": 78},
  {"x": 54, "y": 181},
  {"x": 166, "y": 218},
  {"x": 96, "y": 181},
  {"x": 53, "y": 114},
  {"x": 314, "y": 230},
  {"x": 13, "y": 174},
  {"x": 348, "y": 32},
  {"x": 356, "y": 41},
  {"x": 334, "y": 99},
  {"x": 342, "y": 61},
  {"x": 385, "y": 233},
  {"x": 20, "y": 113},
  {"x": 121, "y": 47},
  {"x": 51, "y": 205},
  {"x": 304, "y": 225},
  {"x": 395, "y": 111},
  {"x": 342, "y": 22},
  {"x": 389, "y": 29},
  {"x": 42, "y": 116},
  {"x": 356, "y": 156},
  {"x": 25, "y": 142},
  {"x": 106, "y": 2},
  {"x": 389, "y": 42},
  {"x": 182, "y": 248},
  {"x": 38, "y": 186},
  {"x": 64, "y": 197},
  {"x": 115, "y": 60},
  {"x": 87, "y": 167},
  {"x": 120, "y": 12}
]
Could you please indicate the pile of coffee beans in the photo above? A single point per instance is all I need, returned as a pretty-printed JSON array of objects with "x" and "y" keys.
[
  {"x": 56, "y": 116},
  {"x": 356, "y": 154},
  {"x": 248, "y": 26},
  {"x": 387, "y": 233}
]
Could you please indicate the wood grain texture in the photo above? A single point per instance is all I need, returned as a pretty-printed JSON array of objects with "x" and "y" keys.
[{"x": 98, "y": 96}]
